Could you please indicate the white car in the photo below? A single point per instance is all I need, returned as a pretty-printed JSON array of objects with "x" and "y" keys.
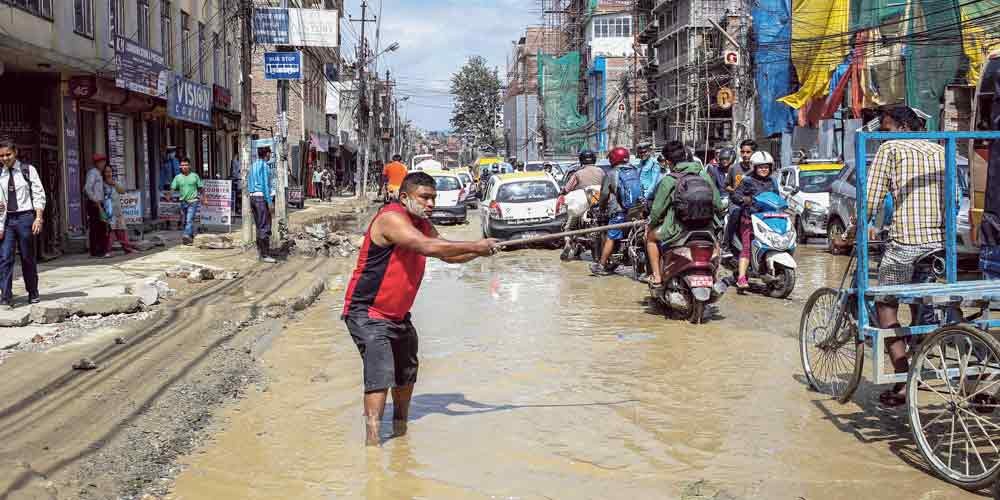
[
  {"x": 450, "y": 205},
  {"x": 521, "y": 205},
  {"x": 806, "y": 188}
]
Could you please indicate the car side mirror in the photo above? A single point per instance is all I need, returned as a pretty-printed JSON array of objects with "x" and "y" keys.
[{"x": 795, "y": 191}]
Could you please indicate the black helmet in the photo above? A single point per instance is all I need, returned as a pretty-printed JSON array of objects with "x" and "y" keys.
[
  {"x": 727, "y": 155},
  {"x": 397, "y": 158},
  {"x": 643, "y": 148},
  {"x": 587, "y": 157}
]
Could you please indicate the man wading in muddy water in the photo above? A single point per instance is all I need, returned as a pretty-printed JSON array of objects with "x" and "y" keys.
[{"x": 382, "y": 290}]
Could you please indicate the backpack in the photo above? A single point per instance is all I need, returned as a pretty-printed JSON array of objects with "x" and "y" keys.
[
  {"x": 629, "y": 190},
  {"x": 694, "y": 199}
]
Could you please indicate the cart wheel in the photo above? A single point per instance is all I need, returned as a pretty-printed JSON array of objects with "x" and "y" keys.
[
  {"x": 952, "y": 394},
  {"x": 832, "y": 361}
]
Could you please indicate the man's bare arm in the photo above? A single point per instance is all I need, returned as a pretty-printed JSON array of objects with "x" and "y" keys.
[{"x": 392, "y": 228}]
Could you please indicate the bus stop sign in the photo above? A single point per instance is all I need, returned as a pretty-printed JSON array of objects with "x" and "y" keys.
[{"x": 283, "y": 65}]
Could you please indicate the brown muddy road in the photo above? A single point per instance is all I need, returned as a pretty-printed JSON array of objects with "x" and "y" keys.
[{"x": 540, "y": 381}]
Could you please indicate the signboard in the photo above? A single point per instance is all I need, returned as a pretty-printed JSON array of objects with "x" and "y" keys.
[
  {"x": 218, "y": 207},
  {"x": 139, "y": 69},
  {"x": 283, "y": 65},
  {"x": 189, "y": 101},
  {"x": 132, "y": 207},
  {"x": 731, "y": 57},
  {"x": 299, "y": 27},
  {"x": 725, "y": 98},
  {"x": 313, "y": 27},
  {"x": 116, "y": 145},
  {"x": 170, "y": 208},
  {"x": 270, "y": 26},
  {"x": 221, "y": 97},
  {"x": 71, "y": 139},
  {"x": 295, "y": 196}
]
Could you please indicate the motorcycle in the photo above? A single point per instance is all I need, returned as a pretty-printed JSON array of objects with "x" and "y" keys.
[
  {"x": 772, "y": 247},
  {"x": 628, "y": 252},
  {"x": 690, "y": 271}
]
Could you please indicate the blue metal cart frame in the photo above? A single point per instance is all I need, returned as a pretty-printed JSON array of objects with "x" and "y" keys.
[
  {"x": 952, "y": 388},
  {"x": 952, "y": 292}
]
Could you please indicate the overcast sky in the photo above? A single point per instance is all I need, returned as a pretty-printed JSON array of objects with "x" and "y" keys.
[{"x": 436, "y": 37}]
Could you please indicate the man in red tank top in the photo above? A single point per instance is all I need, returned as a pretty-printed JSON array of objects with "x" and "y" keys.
[{"x": 382, "y": 290}]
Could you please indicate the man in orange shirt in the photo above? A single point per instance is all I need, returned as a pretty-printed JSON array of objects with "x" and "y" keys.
[{"x": 392, "y": 176}]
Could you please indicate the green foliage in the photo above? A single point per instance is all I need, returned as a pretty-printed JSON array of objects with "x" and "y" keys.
[{"x": 476, "y": 89}]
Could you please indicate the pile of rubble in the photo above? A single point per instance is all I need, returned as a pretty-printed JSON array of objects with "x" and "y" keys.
[
  {"x": 318, "y": 240},
  {"x": 194, "y": 272}
]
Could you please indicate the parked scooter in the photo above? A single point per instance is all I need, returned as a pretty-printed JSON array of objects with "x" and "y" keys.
[
  {"x": 774, "y": 242},
  {"x": 690, "y": 276}
]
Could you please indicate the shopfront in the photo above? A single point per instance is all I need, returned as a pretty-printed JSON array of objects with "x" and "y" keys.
[{"x": 29, "y": 114}]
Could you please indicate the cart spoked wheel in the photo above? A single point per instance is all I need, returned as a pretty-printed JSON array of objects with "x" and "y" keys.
[
  {"x": 953, "y": 396},
  {"x": 832, "y": 356}
]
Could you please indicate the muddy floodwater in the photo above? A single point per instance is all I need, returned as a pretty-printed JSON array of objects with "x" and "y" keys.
[{"x": 538, "y": 380}]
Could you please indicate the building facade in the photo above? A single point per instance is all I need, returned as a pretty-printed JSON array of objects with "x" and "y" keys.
[{"x": 64, "y": 96}]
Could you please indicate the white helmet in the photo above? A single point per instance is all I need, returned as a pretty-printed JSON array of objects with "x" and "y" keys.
[{"x": 761, "y": 158}]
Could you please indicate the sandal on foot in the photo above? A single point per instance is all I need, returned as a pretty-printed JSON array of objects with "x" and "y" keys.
[
  {"x": 984, "y": 404},
  {"x": 891, "y": 398}
]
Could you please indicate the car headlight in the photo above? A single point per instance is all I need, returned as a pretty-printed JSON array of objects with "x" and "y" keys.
[{"x": 812, "y": 206}]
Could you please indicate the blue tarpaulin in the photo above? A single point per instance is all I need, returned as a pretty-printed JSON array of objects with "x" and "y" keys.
[{"x": 772, "y": 25}]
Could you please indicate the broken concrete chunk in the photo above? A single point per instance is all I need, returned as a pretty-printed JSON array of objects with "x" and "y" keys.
[
  {"x": 49, "y": 312},
  {"x": 214, "y": 242},
  {"x": 147, "y": 292},
  {"x": 84, "y": 364},
  {"x": 14, "y": 318},
  {"x": 103, "y": 306}
]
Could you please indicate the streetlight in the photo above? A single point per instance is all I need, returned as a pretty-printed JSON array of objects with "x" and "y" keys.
[{"x": 391, "y": 48}]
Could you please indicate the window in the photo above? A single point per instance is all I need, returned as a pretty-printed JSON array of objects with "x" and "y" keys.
[
  {"x": 116, "y": 20},
  {"x": 226, "y": 67},
  {"x": 617, "y": 27},
  {"x": 201, "y": 52},
  {"x": 527, "y": 192},
  {"x": 142, "y": 22},
  {"x": 41, "y": 8},
  {"x": 83, "y": 22},
  {"x": 186, "y": 65},
  {"x": 166, "y": 33},
  {"x": 216, "y": 48}
]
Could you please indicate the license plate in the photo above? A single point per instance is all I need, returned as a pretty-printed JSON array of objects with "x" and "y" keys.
[
  {"x": 440, "y": 214},
  {"x": 530, "y": 234},
  {"x": 700, "y": 281}
]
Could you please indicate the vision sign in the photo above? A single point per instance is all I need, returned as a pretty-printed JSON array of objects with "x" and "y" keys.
[{"x": 189, "y": 101}]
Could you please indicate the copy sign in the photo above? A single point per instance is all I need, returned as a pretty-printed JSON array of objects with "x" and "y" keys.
[{"x": 282, "y": 65}]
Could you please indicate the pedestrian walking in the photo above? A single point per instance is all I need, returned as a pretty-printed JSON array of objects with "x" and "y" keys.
[
  {"x": 93, "y": 190},
  {"x": 260, "y": 185},
  {"x": 117, "y": 229},
  {"x": 328, "y": 183},
  {"x": 913, "y": 172},
  {"x": 23, "y": 204},
  {"x": 235, "y": 174},
  {"x": 190, "y": 187},
  {"x": 382, "y": 290},
  {"x": 317, "y": 180}
]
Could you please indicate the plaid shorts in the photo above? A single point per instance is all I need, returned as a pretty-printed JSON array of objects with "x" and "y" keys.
[{"x": 898, "y": 262}]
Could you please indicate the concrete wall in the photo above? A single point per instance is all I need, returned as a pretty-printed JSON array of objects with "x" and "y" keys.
[{"x": 522, "y": 139}]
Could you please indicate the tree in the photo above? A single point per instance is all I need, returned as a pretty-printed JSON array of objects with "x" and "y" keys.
[{"x": 476, "y": 89}]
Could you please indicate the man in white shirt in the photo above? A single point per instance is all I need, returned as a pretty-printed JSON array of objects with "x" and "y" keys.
[
  {"x": 93, "y": 192},
  {"x": 23, "y": 199}
]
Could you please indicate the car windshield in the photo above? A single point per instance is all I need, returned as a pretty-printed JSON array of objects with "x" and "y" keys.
[
  {"x": 447, "y": 183},
  {"x": 466, "y": 178},
  {"x": 533, "y": 167},
  {"x": 527, "y": 192},
  {"x": 818, "y": 181}
]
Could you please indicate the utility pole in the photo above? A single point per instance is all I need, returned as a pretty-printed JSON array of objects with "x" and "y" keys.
[
  {"x": 246, "y": 109},
  {"x": 365, "y": 122},
  {"x": 281, "y": 179}
]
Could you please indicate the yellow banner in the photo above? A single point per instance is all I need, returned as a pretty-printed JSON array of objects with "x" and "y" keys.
[{"x": 820, "y": 42}]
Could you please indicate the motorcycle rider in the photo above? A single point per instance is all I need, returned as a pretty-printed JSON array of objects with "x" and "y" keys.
[
  {"x": 621, "y": 190},
  {"x": 760, "y": 181},
  {"x": 719, "y": 171},
  {"x": 682, "y": 204},
  {"x": 650, "y": 172},
  {"x": 734, "y": 177},
  {"x": 581, "y": 192}
]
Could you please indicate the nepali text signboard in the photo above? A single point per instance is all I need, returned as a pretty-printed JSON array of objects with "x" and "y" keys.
[
  {"x": 217, "y": 210},
  {"x": 189, "y": 101},
  {"x": 283, "y": 65},
  {"x": 170, "y": 208},
  {"x": 131, "y": 202},
  {"x": 139, "y": 69},
  {"x": 298, "y": 27},
  {"x": 117, "y": 124},
  {"x": 71, "y": 139},
  {"x": 270, "y": 26}
]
